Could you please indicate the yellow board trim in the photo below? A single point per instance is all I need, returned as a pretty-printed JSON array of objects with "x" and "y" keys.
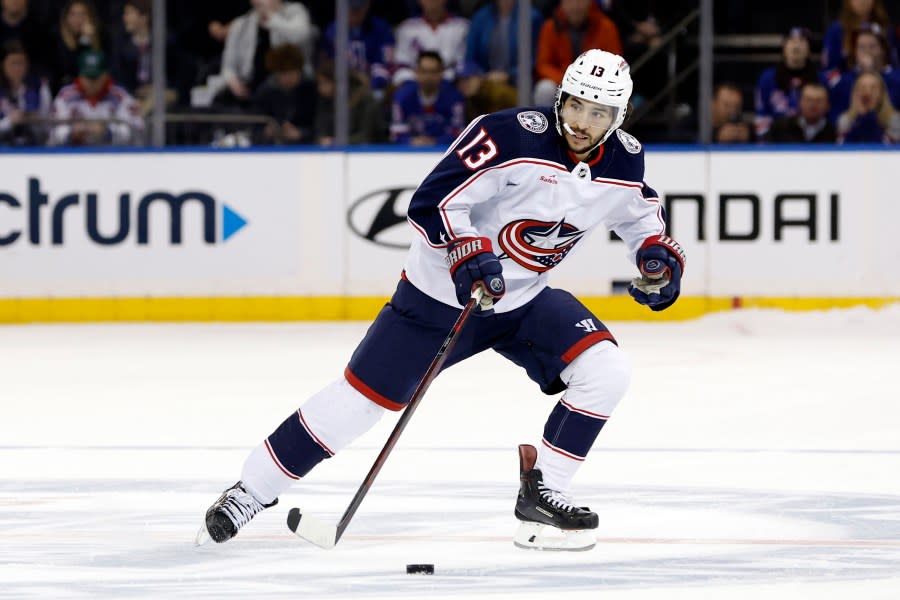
[{"x": 358, "y": 308}]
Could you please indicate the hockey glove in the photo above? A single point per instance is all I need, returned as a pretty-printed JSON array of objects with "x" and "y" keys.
[
  {"x": 660, "y": 260},
  {"x": 472, "y": 262}
]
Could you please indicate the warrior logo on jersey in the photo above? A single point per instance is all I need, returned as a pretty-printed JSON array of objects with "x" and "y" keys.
[
  {"x": 533, "y": 120},
  {"x": 629, "y": 141},
  {"x": 538, "y": 245}
]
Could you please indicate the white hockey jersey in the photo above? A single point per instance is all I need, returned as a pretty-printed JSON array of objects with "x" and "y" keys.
[
  {"x": 416, "y": 34},
  {"x": 509, "y": 177},
  {"x": 113, "y": 102}
]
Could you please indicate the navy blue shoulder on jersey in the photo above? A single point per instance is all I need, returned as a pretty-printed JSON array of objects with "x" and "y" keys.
[
  {"x": 489, "y": 141},
  {"x": 620, "y": 163}
]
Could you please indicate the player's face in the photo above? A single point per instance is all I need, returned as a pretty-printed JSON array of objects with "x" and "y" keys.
[{"x": 588, "y": 121}]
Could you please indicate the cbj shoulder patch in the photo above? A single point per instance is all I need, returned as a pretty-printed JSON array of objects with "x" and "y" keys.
[
  {"x": 533, "y": 121},
  {"x": 629, "y": 141}
]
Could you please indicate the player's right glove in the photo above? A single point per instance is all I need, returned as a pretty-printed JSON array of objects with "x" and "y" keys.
[
  {"x": 472, "y": 262},
  {"x": 660, "y": 260}
]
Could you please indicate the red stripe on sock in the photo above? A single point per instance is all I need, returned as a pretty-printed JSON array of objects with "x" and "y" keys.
[
  {"x": 278, "y": 462},
  {"x": 582, "y": 411},
  {"x": 563, "y": 452},
  {"x": 312, "y": 435}
]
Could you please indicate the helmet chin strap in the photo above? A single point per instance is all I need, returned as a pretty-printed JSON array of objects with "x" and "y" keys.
[{"x": 568, "y": 129}]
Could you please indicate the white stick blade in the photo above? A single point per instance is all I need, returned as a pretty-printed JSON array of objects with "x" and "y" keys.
[{"x": 311, "y": 529}]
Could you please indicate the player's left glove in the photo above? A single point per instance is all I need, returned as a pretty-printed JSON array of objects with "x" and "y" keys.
[
  {"x": 473, "y": 263},
  {"x": 660, "y": 260}
]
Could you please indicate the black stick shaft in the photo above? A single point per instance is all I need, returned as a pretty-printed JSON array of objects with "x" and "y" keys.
[{"x": 433, "y": 369}]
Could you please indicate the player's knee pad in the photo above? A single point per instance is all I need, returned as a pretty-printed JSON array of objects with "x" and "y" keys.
[
  {"x": 597, "y": 379},
  {"x": 339, "y": 414}
]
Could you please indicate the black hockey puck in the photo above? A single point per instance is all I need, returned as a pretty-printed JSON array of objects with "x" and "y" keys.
[{"x": 420, "y": 569}]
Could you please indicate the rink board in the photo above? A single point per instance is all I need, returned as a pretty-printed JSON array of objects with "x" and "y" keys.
[{"x": 271, "y": 235}]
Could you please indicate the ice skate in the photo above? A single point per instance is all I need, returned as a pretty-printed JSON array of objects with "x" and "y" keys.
[
  {"x": 234, "y": 509},
  {"x": 549, "y": 520}
]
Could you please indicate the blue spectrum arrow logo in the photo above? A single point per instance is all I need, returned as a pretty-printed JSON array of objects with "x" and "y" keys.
[{"x": 231, "y": 222}]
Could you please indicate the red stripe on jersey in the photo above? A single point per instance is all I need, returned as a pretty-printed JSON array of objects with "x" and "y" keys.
[
  {"x": 313, "y": 435},
  {"x": 619, "y": 182},
  {"x": 582, "y": 411},
  {"x": 585, "y": 343},
  {"x": 472, "y": 179},
  {"x": 425, "y": 234},
  {"x": 369, "y": 393},
  {"x": 278, "y": 462},
  {"x": 563, "y": 452}
]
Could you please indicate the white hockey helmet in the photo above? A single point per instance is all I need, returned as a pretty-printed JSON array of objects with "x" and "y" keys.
[{"x": 597, "y": 76}]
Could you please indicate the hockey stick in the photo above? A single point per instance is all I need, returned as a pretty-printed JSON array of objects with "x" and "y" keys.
[{"x": 327, "y": 536}]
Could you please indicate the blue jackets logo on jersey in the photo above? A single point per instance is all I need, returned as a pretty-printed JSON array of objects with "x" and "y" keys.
[{"x": 538, "y": 245}]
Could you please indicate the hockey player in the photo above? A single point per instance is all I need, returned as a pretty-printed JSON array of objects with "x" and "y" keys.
[{"x": 513, "y": 195}]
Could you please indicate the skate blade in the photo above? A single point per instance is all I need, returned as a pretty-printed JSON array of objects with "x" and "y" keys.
[
  {"x": 537, "y": 536},
  {"x": 202, "y": 536}
]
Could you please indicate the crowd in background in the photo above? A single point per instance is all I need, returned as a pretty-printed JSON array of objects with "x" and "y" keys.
[{"x": 79, "y": 72}]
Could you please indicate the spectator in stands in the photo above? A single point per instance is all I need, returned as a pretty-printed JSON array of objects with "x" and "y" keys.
[
  {"x": 197, "y": 32},
  {"x": 287, "y": 97},
  {"x": 641, "y": 25},
  {"x": 367, "y": 122},
  {"x": 23, "y": 95},
  {"x": 493, "y": 40},
  {"x": 79, "y": 30},
  {"x": 18, "y": 23},
  {"x": 576, "y": 26},
  {"x": 728, "y": 121},
  {"x": 870, "y": 55},
  {"x": 482, "y": 94},
  {"x": 132, "y": 55},
  {"x": 637, "y": 22},
  {"x": 371, "y": 51},
  {"x": 778, "y": 89},
  {"x": 810, "y": 125},
  {"x": 269, "y": 23},
  {"x": 837, "y": 47},
  {"x": 429, "y": 110},
  {"x": 435, "y": 30},
  {"x": 90, "y": 100},
  {"x": 871, "y": 117}
]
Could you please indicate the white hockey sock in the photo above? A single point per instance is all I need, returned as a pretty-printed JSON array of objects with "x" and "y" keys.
[
  {"x": 596, "y": 381},
  {"x": 557, "y": 470},
  {"x": 334, "y": 416},
  {"x": 262, "y": 477}
]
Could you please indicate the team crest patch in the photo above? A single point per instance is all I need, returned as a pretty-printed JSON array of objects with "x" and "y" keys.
[
  {"x": 538, "y": 245},
  {"x": 629, "y": 141},
  {"x": 533, "y": 121}
]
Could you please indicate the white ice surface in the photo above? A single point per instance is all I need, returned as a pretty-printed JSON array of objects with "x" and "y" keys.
[{"x": 757, "y": 455}]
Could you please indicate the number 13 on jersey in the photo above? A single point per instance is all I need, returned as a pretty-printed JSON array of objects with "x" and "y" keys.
[{"x": 486, "y": 150}]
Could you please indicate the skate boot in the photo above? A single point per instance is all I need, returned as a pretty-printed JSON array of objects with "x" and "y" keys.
[
  {"x": 234, "y": 509},
  {"x": 544, "y": 512}
]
